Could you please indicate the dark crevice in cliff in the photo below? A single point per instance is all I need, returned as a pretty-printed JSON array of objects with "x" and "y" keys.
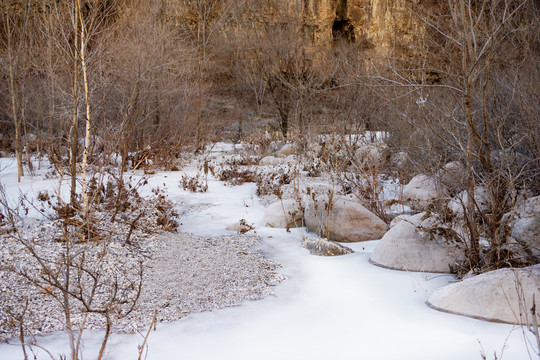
[{"x": 343, "y": 30}]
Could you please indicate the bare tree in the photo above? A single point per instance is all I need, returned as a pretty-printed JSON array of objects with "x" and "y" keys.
[
  {"x": 466, "y": 93},
  {"x": 16, "y": 20}
]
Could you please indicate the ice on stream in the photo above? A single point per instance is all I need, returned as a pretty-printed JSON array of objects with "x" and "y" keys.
[{"x": 329, "y": 308}]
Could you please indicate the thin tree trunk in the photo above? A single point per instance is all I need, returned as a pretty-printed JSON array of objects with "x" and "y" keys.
[
  {"x": 471, "y": 188},
  {"x": 73, "y": 132},
  {"x": 87, "y": 96},
  {"x": 108, "y": 326},
  {"x": 14, "y": 110}
]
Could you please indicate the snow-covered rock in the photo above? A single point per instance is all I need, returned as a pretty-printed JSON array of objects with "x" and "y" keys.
[
  {"x": 422, "y": 190},
  {"x": 283, "y": 214},
  {"x": 503, "y": 295},
  {"x": 269, "y": 161},
  {"x": 403, "y": 247},
  {"x": 323, "y": 247},
  {"x": 345, "y": 220}
]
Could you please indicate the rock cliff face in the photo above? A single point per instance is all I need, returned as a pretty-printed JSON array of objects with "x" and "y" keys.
[{"x": 378, "y": 24}]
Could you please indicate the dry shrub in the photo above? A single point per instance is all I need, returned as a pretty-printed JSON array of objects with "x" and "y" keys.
[{"x": 194, "y": 183}]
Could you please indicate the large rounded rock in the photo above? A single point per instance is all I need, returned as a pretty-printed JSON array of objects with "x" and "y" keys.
[
  {"x": 422, "y": 190},
  {"x": 504, "y": 295},
  {"x": 283, "y": 214},
  {"x": 29, "y": 141},
  {"x": 344, "y": 220},
  {"x": 404, "y": 248}
]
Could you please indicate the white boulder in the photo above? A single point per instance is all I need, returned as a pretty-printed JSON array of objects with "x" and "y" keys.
[
  {"x": 399, "y": 219},
  {"x": 29, "y": 141},
  {"x": 344, "y": 220},
  {"x": 504, "y": 295},
  {"x": 422, "y": 190},
  {"x": 283, "y": 214},
  {"x": 403, "y": 247}
]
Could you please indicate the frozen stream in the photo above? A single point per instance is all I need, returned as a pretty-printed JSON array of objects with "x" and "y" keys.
[{"x": 329, "y": 308}]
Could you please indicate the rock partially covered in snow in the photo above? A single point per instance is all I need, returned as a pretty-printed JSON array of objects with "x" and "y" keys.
[
  {"x": 269, "y": 161},
  {"x": 345, "y": 220},
  {"x": 283, "y": 214},
  {"x": 422, "y": 190},
  {"x": 323, "y": 247},
  {"x": 504, "y": 295},
  {"x": 403, "y": 247},
  {"x": 29, "y": 141}
]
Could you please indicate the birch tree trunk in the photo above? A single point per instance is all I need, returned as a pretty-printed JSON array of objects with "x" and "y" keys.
[
  {"x": 13, "y": 96},
  {"x": 73, "y": 131},
  {"x": 87, "y": 97}
]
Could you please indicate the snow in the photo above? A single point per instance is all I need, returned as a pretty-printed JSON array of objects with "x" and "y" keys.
[{"x": 329, "y": 308}]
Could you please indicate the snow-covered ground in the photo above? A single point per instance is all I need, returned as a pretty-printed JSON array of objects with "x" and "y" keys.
[{"x": 329, "y": 308}]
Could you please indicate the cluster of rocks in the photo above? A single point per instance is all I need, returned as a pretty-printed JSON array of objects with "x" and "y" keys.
[
  {"x": 421, "y": 241},
  {"x": 285, "y": 156}
]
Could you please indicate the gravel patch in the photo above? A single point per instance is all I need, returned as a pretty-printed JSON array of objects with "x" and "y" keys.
[
  {"x": 189, "y": 274},
  {"x": 181, "y": 274}
]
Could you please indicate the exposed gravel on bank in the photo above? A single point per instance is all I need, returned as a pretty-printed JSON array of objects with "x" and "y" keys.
[
  {"x": 182, "y": 274},
  {"x": 189, "y": 274}
]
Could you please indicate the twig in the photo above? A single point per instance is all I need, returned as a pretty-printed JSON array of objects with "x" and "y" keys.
[{"x": 152, "y": 325}]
